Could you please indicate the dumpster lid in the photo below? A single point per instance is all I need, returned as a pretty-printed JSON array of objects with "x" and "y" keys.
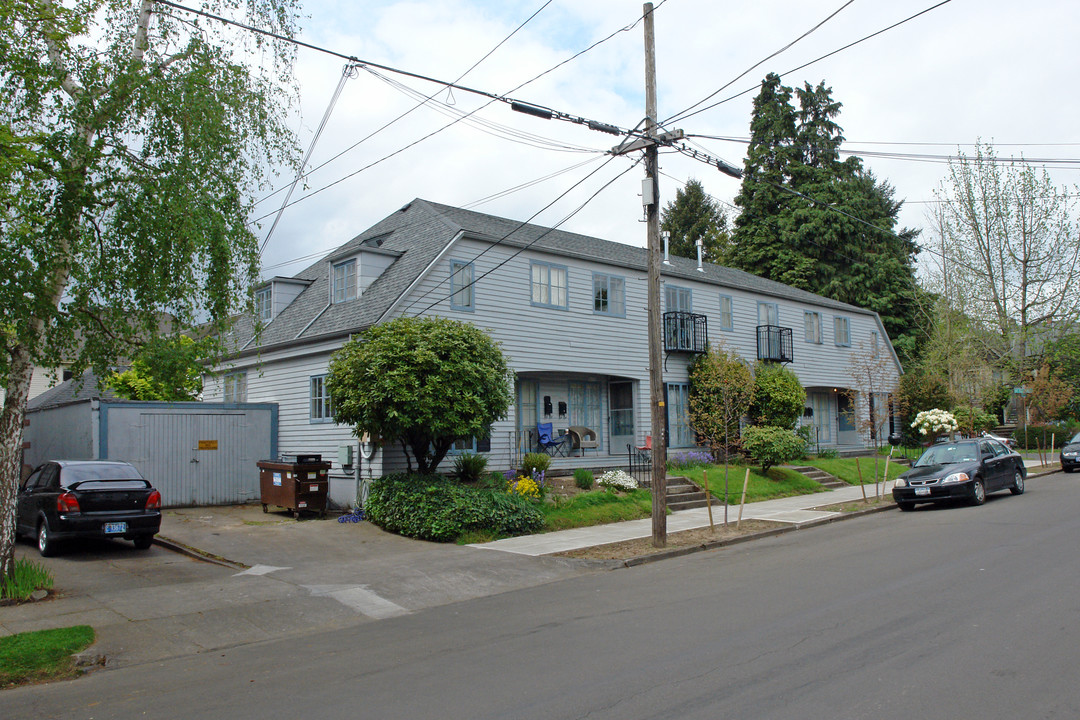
[{"x": 298, "y": 458}]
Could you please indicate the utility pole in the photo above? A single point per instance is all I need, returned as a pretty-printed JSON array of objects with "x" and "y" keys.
[{"x": 651, "y": 200}]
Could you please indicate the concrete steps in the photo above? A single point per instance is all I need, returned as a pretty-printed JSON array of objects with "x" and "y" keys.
[
  {"x": 682, "y": 494},
  {"x": 822, "y": 477}
]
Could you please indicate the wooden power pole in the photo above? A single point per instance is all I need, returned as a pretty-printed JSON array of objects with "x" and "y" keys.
[{"x": 651, "y": 201}]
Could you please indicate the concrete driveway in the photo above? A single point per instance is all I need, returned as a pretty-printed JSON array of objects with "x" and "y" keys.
[{"x": 274, "y": 577}]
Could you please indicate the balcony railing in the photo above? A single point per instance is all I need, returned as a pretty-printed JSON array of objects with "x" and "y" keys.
[
  {"x": 685, "y": 332},
  {"x": 774, "y": 343}
]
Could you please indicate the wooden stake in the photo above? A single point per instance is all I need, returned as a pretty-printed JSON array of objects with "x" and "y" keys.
[
  {"x": 745, "y": 482},
  {"x": 859, "y": 468},
  {"x": 885, "y": 482},
  {"x": 708, "y": 497}
]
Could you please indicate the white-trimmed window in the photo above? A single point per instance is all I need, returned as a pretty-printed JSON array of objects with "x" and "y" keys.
[
  {"x": 813, "y": 326},
  {"x": 344, "y": 281},
  {"x": 548, "y": 285},
  {"x": 321, "y": 410},
  {"x": 461, "y": 285},
  {"x": 874, "y": 346},
  {"x": 264, "y": 308},
  {"x": 727, "y": 314},
  {"x": 609, "y": 295},
  {"x": 234, "y": 387},
  {"x": 842, "y": 331}
]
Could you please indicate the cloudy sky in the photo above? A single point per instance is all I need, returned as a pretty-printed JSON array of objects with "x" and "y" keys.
[{"x": 998, "y": 70}]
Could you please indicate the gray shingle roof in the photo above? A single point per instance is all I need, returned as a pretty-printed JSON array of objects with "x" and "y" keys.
[
  {"x": 419, "y": 231},
  {"x": 70, "y": 391}
]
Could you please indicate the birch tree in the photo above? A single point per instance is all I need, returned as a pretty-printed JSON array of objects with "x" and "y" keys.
[
  {"x": 132, "y": 137},
  {"x": 1009, "y": 255}
]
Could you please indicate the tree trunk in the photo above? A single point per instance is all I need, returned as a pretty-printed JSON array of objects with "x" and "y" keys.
[{"x": 11, "y": 434}]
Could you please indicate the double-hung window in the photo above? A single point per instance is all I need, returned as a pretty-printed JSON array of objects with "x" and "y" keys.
[
  {"x": 548, "y": 285},
  {"x": 727, "y": 317},
  {"x": 263, "y": 308},
  {"x": 842, "y": 331},
  {"x": 609, "y": 295},
  {"x": 345, "y": 281},
  {"x": 768, "y": 313},
  {"x": 321, "y": 411},
  {"x": 461, "y": 285},
  {"x": 813, "y": 326},
  {"x": 234, "y": 387}
]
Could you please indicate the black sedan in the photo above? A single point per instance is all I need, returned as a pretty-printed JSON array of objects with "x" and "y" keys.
[
  {"x": 69, "y": 499},
  {"x": 1070, "y": 454},
  {"x": 966, "y": 469}
]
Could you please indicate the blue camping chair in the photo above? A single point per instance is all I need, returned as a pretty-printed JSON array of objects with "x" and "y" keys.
[{"x": 549, "y": 444}]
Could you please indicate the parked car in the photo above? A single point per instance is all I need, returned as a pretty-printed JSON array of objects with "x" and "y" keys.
[
  {"x": 1006, "y": 441},
  {"x": 965, "y": 469},
  {"x": 71, "y": 499},
  {"x": 1070, "y": 454}
]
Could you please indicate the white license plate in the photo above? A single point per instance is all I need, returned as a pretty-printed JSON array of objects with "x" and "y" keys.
[
  {"x": 922, "y": 491},
  {"x": 115, "y": 528},
  {"x": 313, "y": 488}
]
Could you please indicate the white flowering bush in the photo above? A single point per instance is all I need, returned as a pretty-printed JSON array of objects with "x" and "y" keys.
[
  {"x": 931, "y": 423},
  {"x": 617, "y": 480}
]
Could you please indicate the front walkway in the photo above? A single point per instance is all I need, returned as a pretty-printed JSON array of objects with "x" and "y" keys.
[{"x": 795, "y": 510}]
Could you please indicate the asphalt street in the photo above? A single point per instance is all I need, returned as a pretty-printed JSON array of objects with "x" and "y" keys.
[{"x": 942, "y": 613}]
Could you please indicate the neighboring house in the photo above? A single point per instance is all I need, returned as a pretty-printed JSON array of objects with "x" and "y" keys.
[{"x": 570, "y": 313}]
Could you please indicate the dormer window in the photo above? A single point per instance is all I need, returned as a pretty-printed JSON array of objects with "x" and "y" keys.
[
  {"x": 264, "y": 309},
  {"x": 344, "y": 281}
]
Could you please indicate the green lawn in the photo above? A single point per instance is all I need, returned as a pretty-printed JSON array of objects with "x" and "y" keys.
[
  {"x": 778, "y": 483},
  {"x": 42, "y": 655},
  {"x": 597, "y": 508},
  {"x": 846, "y": 470}
]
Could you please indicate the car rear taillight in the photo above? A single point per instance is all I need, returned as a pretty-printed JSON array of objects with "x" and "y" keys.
[
  {"x": 67, "y": 503},
  {"x": 154, "y": 501}
]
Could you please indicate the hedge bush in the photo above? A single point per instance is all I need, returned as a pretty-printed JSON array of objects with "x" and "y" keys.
[
  {"x": 1034, "y": 436},
  {"x": 432, "y": 507},
  {"x": 770, "y": 445}
]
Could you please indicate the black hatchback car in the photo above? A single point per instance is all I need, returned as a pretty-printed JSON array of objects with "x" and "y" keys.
[
  {"x": 966, "y": 469},
  {"x": 69, "y": 499}
]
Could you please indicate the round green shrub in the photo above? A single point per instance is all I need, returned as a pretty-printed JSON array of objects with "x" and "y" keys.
[
  {"x": 535, "y": 463},
  {"x": 779, "y": 397},
  {"x": 770, "y": 446}
]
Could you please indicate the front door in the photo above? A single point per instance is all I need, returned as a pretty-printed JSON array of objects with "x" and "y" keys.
[
  {"x": 845, "y": 420},
  {"x": 621, "y": 403}
]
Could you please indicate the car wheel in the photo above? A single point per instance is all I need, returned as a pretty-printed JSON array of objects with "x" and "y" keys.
[
  {"x": 906, "y": 506},
  {"x": 143, "y": 542},
  {"x": 45, "y": 543},
  {"x": 1018, "y": 483},
  {"x": 978, "y": 492}
]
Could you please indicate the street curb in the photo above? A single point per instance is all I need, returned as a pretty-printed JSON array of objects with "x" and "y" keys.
[
  {"x": 714, "y": 544},
  {"x": 678, "y": 552},
  {"x": 178, "y": 547}
]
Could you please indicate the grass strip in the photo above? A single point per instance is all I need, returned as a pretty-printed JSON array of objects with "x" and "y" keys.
[
  {"x": 777, "y": 483},
  {"x": 597, "y": 508},
  {"x": 42, "y": 654},
  {"x": 845, "y": 469}
]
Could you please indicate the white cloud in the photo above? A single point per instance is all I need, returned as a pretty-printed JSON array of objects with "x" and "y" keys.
[{"x": 992, "y": 69}]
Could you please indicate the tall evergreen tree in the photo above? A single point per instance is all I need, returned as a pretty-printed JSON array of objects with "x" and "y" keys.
[
  {"x": 816, "y": 222},
  {"x": 692, "y": 215}
]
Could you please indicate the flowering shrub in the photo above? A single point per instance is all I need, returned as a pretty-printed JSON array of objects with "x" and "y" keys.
[
  {"x": 530, "y": 487},
  {"x": 617, "y": 480},
  {"x": 931, "y": 423},
  {"x": 693, "y": 458}
]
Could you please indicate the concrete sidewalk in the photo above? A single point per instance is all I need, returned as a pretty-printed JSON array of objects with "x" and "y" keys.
[{"x": 795, "y": 510}]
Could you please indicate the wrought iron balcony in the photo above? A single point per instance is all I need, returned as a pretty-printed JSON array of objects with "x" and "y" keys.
[
  {"x": 685, "y": 332},
  {"x": 774, "y": 343}
]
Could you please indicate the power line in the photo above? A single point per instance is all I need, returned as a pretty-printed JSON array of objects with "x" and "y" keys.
[
  {"x": 819, "y": 59},
  {"x": 677, "y": 116},
  {"x": 519, "y": 226}
]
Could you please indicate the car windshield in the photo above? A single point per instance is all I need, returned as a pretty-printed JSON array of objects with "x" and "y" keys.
[
  {"x": 1076, "y": 439},
  {"x": 948, "y": 454}
]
